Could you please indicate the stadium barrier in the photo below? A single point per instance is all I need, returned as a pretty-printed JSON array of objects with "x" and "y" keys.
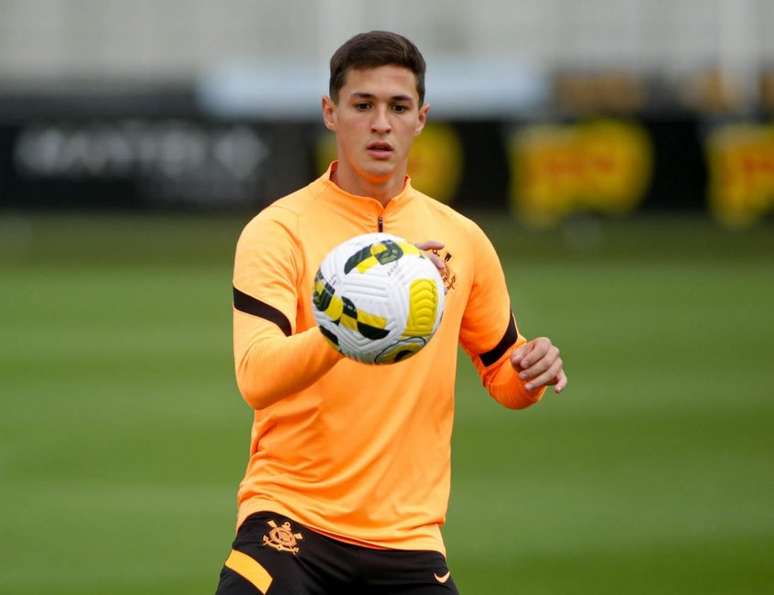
[{"x": 541, "y": 171}]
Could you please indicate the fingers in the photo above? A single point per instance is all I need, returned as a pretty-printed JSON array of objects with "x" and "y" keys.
[
  {"x": 427, "y": 248},
  {"x": 537, "y": 350},
  {"x": 539, "y": 364},
  {"x": 550, "y": 355},
  {"x": 430, "y": 245},
  {"x": 518, "y": 354},
  {"x": 561, "y": 382},
  {"x": 546, "y": 377},
  {"x": 436, "y": 261}
]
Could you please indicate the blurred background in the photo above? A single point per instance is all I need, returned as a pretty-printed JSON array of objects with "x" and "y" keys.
[{"x": 619, "y": 153}]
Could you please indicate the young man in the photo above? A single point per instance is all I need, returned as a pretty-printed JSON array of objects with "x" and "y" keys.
[{"x": 347, "y": 482}]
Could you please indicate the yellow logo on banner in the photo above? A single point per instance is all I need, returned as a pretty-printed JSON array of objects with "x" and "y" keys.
[
  {"x": 435, "y": 161},
  {"x": 559, "y": 169},
  {"x": 741, "y": 172}
]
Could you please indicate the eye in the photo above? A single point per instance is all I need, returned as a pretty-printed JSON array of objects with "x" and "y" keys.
[
  {"x": 363, "y": 106},
  {"x": 399, "y": 108}
]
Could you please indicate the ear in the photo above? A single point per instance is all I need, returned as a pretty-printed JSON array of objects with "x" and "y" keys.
[
  {"x": 329, "y": 113},
  {"x": 422, "y": 118}
]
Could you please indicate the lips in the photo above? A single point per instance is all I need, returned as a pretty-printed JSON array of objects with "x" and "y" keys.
[{"x": 379, "y": 149}]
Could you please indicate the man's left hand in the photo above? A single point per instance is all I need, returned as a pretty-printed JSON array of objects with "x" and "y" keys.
[
  {"x": 538, "y": 364},
  {"x": 428, "y": 248}
]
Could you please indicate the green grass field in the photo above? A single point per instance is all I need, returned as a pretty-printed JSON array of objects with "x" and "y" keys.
[{"x": 122, "y": 436}]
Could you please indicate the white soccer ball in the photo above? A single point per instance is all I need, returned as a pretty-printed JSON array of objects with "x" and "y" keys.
[{"x": 377, "y": 298}]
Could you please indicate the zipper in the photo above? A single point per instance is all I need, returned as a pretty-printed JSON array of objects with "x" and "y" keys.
[{"x": 380, "y": 223}]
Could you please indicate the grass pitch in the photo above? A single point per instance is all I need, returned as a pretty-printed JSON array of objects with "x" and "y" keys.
[{"x": 122, "y": 436}]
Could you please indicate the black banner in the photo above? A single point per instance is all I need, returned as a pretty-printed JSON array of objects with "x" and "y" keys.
[
  {"x": 541, "y": 171},
  {"x": 149, "y": 163}
]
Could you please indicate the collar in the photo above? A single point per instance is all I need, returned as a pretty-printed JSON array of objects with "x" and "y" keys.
[{"x": 339, "y": 192}]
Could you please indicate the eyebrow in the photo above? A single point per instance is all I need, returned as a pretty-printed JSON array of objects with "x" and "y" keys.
[{"x": 361, "y": 95}]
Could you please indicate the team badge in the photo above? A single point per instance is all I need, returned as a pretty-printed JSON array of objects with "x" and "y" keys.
[
  {"x": 282, "y": 538},
  {"x": 448, "y": 276}
]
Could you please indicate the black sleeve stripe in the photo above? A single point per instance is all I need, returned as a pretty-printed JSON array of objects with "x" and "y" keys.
[
  {"x": 509, "y": 338},
  {"x": 250, "y": 305}
]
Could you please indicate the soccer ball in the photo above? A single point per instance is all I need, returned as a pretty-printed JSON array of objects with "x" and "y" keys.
[{"x": 377, "y": 298}]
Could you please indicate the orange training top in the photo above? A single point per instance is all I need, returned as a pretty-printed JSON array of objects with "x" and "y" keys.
[{"x": 357, "y": 452}]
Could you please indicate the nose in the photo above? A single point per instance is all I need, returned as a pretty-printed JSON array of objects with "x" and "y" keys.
[{"x": 380, "y": 123}]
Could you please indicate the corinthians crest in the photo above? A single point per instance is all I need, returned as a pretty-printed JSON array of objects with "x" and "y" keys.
[
  {"x": 448, "y": 276},
  {"x": 282, "y": 538}
]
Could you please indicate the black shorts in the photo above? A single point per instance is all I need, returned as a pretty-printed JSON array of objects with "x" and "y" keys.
[{"x": 275, "y": 555}]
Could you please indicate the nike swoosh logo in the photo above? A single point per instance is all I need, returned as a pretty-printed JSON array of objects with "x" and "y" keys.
[{"x": 442, "y": 579}]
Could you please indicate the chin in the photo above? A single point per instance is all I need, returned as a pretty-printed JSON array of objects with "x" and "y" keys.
[{"x": 379, "y": 170}]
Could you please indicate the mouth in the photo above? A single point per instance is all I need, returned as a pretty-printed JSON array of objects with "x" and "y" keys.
[{"x": 379, "y": 149}]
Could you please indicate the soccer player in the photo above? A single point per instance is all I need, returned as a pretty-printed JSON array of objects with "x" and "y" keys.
[{"x": 347, "y": 482}]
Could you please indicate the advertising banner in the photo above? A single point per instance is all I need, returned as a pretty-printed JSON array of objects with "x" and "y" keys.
[{"x": 542, "y": 172}]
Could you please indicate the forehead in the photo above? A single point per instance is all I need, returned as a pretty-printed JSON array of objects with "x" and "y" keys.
[{"x": 386, "y": 81}]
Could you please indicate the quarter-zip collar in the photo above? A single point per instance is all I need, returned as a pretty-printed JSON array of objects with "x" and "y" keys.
[{"x": 341, "y": 194}]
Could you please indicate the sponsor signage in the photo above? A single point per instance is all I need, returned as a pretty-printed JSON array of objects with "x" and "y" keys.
[
  {"x": 562, "y": 169},
  {"x": 135, "y": 162},
  {"x": 741, "y": 172},
  {"x": 543, "y": 172}
]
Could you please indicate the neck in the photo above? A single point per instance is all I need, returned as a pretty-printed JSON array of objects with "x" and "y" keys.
[{"x": 382, "y": 190}]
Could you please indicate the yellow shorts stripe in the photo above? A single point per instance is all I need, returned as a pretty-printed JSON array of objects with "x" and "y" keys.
[{"x": 248, "y": 568}]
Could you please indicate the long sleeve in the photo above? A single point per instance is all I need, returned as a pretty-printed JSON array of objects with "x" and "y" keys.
[
  {"x": 502, "y": 382},
  {"x": 489, "y": 333},
  {"x": 272, "y": 361},
  {"x": 273, "y": 366}
]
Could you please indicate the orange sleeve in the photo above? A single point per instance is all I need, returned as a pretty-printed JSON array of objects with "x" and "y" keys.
[
  {"x": 503, "y": 382},
  {"x": 489, "y": 332},
  {"x": 271, "y": 360},
  {"x": 274, "y": 366}
]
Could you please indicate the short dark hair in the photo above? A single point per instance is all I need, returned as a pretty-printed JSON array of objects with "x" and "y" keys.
[{"x": 374, "y": 49}]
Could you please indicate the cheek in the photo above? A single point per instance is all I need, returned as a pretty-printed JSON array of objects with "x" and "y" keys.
[
  {"x": 345, "y": 134},
  {"x": 350, "y": 128},
  {"x": 407, "y": 132}
]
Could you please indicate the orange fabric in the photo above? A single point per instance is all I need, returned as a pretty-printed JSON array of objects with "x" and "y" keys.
[
  {"x": 249, "y": 569},
  {"x": 360, "y": 453}
]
